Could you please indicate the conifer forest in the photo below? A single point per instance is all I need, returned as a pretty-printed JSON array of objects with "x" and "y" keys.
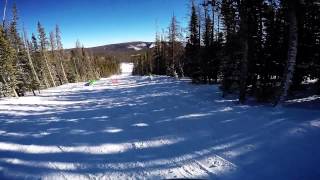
[
  {"x": 40, "y": 62},
  {"x": 265, "y": 49}
]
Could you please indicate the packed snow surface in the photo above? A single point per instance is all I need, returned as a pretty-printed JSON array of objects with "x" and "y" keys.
[
  {"x": 127, "y": 127},
  {"x": 126, "y": 69}
]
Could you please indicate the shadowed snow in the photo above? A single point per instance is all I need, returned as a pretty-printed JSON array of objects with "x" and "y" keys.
[{"x": 128, "y": 127}]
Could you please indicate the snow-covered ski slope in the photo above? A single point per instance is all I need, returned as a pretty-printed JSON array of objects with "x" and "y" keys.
[{"x": 127, "y": 127}]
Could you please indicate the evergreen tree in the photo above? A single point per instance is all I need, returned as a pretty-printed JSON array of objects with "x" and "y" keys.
[
  {"x": 43, "y": 50},
  {"x": 292, "y": 50},
  {"x": 7, "y": 66},
  {"x": 38, "y": 62},
  {"x": 35, "y": 83},
  {"x": 206, "y": 58},
  {"x": 248, "y": 56},
  {"x": 56, "y": 68},
  {"x": 175, "y": 49},
  {"x": 163, "y": 55},
  {"x": 192, "y": 48},
  {"x": 243, "y": 10},
  {"x": 23, "y": 71},
  {"x": 157, "y": 58},
  {"x": 60, "y": 53},
  {"x": 230, "y": 59}
]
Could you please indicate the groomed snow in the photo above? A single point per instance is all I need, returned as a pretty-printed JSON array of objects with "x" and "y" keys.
[
  {"x": 126, "y": 69},
  {"x": 127, "y": 127}
]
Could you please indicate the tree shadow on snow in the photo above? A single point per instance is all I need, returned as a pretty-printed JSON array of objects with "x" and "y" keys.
[{"x": 158, "y": 129}]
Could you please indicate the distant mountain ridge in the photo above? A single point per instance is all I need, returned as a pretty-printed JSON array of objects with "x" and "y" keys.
[{"x": 122, "y": 50}]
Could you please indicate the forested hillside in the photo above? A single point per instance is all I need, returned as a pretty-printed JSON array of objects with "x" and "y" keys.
[
  {"x": 122, "y": 51},
  {"x": 41, "y": 61}
]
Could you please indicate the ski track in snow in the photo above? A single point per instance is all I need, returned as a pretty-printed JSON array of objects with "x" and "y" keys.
[{"x": 127, "y": 127}]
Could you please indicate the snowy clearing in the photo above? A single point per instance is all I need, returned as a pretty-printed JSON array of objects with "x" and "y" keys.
[{"x": 127, "y": 127}]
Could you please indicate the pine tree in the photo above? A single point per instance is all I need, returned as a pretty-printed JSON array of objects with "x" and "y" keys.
[
  {"x": 230, "y": 60},
  {"x": 43, "y": 50},
  {"x": 292, "y": 51},
  {"x": 157, "y": 55},
  {"x": 192, "y": 65},
  {"x": 60, "y": 52},
  {"x": 206, "y": 57},
  {"x": 82, "y": 64},
  {"x": 36, "y": 83},
  {"x": 38, "y": 62},
  {"x": 56, "y": 68},
  {"x": 243, "y": 10},
  {"x": 163, "y": 55},
  {"x": 175, "y": 64},
  {"x": 7, "y": 66},
  {"x": 24, "y": 75},
  {"x": 74, "y": 60}
]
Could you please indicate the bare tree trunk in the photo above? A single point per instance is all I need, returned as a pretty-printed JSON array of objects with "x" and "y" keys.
[
  {"x": 181, "y": 69},
  {"x": 13, "y": 90},
  {"x": 199, "y": 28},
  {"x": 213, "y": 4},
  {"x": 4, "y": 13},
  {"x": 34, "y": 93},
  {"x": 244, "y": 60},
  {"x": 292, "y": 50},
  {"x": 29, "y": 58},
  {"x": 173, "y": 60},
  {"x": 48, "y": 67},
  {"x": 244, "y": 73},
  {"x": 63, "y": 72},
  {"x": 46, "y": 82},
  {"x": 76, "y": 69}
]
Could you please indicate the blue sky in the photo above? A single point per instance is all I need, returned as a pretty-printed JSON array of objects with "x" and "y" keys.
[{"x": 100, "y": 22}]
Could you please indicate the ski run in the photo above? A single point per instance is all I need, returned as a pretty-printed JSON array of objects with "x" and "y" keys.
[{"x": 130, "y": 127}]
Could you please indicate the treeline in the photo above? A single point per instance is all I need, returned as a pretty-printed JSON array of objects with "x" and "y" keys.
[
  {"x": 41, "y": 62},
  {"x": 264, "y": 48}
]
